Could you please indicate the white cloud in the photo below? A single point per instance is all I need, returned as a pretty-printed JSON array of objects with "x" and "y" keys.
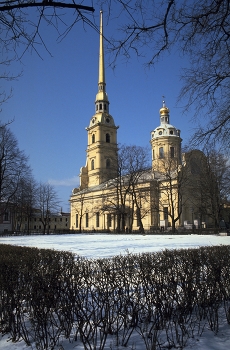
[{"x": 74, "y": 181}]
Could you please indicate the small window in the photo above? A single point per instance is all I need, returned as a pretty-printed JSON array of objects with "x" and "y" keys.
[
  {"x": 107, "y": 163},
  {"x": 97, "y": 219},
  {"x": 93, "y": 138},
  {"x": 6, "y": 216},
  {"x": 172, "y": 152},
  {"x": 105, "y": 107},
  {"x": 161, "y": 152},
  {"x": 61, "y": 219},
  {"x": 86, "y": 220},
  {"x": 107, "y": 138},
  {"x": 109, "y": 220},
  {"x": 76, "y": 220},
  {"x": 153, "y": 154},
  {"x": 100, "y": 106},
  {"x": 92, "y": 164},
  {"x": 171, "y": 132},
  {"x": 165, "y": 213}
]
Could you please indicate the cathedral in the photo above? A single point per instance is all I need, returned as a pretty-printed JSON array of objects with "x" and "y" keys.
[{"x": 163, "y": 198}]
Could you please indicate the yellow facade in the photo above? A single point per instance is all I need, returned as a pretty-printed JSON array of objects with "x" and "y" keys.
[{"x": 161, "y": 199}]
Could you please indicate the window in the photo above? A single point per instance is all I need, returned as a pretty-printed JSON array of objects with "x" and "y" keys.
[
  {"x": 105, "y": 107},
  {"x": 86, "y": 220},
  {"x": 76, "y": 220},
  {"x": 66, "y": 219},
  {"x": 107, "y": 138},
  {"x": 165, "y": 213},
  {"x": 93, "y": 138},
  {"x": 60, "y": 219},
  {"x": 109, "y": 220},
  {"x": 97, "y": 219},
  {"x": 107, "y": 163},
  {"x": 153, "y": 154},
  {"x": 171, "y": 132},
  {"x": 6, "y": 216},
  {"x": 100, "y": 106},
  {"x": 92, "y": 164},
  {"x": 172, "y": 153},
  {"x": 161, "y": 152}
]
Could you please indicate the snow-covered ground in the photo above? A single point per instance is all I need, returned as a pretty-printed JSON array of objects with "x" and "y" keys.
[
  {"x": 102, "y": 245},
  {"x": 107, "y": 245}
]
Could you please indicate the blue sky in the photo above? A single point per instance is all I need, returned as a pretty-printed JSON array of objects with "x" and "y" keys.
[{"x": 53, "y": 102}]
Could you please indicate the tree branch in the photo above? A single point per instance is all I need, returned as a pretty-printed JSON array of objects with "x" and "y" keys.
[{"x": 47, "y": 3}]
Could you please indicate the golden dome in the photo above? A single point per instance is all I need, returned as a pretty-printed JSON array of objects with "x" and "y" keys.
[{"x": 164, "y": 110}]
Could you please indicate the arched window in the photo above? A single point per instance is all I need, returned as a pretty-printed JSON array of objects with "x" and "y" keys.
[
  {"x": 107, "y": 138},
  {"x": 93, "y": 138},
  {"x": 86, "y": 220},
  {"x": 92, "y": 164},
  {"x": 172, "y": 152},
  {"x": 100, "y": 106},
  {"x": 107, "y": 163},
  {"x": 161, "y": 152}
]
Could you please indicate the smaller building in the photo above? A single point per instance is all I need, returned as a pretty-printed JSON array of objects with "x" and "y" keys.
[
  {"x": 10, "y": 222},
  {"x": 5, "y": 221}
]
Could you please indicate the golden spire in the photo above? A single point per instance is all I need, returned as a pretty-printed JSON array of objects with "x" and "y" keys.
[
  {"x": 102, "y": 103},
  {"x": 101, "y": 78}
]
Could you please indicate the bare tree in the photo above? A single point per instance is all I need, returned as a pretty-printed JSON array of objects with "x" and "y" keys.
[
  {"x": 47, "y": 204},
  {"x": 78, "y": 206},
  {"x": 125, "y": 193},
  {"x": 199, "y": 30},
  {"x": 14, "y": 168},
  {"x": 172, "y": 185},
  {"x": 21, "y": 21},
  {"x": 24, "y": 202}
]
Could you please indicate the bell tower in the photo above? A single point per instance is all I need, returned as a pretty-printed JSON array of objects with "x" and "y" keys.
[
  {"x": 166, "y": 144},
  {"x": 101, "y": 153}
]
